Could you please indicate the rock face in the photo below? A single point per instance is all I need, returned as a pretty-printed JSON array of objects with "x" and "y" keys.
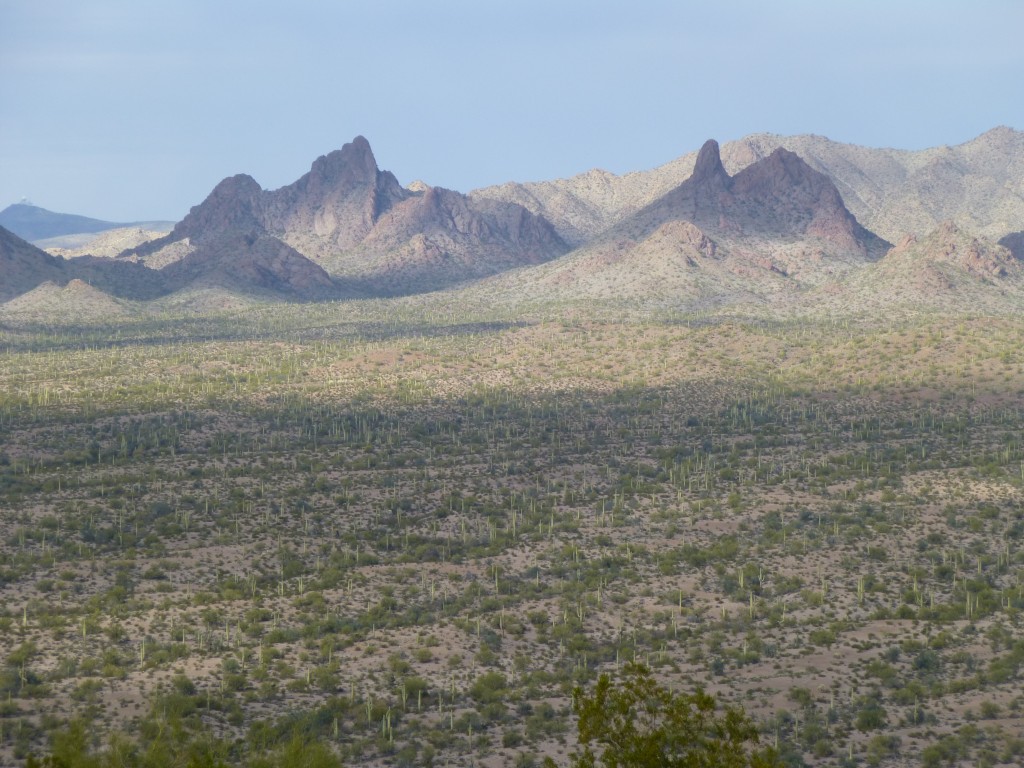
[
  {"x": 336, "y": 205},
  {"x": 349, "y": 228}
]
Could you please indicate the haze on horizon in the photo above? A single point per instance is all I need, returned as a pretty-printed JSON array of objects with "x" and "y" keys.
[{"x": 133, "y": 111}]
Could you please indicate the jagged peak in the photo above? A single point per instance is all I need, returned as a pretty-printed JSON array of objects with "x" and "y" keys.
[
  {"x": 354, "y": 161},
  {"x": 709, "y": 164}
]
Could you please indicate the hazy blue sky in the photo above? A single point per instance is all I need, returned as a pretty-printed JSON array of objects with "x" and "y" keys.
[{"x": 132, "y": 109}]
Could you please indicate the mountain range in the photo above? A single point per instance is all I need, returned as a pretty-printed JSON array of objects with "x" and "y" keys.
[{"x": 798, "y": 220}]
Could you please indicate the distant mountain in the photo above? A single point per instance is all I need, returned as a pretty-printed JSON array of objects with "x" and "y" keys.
[
  {"x": 32, "y": 223},
  {"x": 778, "y": 226},
  {"x": 361, "y": 226},
  {"x": 978, "y": 184},
  {"x": 779, "y": 212}
]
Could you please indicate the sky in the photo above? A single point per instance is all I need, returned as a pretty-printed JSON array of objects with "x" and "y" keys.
[{"x": 130, "y": 110}]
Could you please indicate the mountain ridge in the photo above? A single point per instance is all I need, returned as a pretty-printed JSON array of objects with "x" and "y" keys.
[
  {"x": 882, "y": 187},
  {"x": 353, "y": 221}
]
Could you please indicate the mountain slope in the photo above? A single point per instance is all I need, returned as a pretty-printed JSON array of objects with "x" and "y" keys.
[
  {"x": 76, "y": 299},
  {"x": 23, "y": 266}
]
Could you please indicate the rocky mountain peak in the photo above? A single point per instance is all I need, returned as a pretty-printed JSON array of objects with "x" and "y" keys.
[
  {"x": 334, "y": 206},
  {"x": 354, "y": 163},
  {"x": 234, "y": 205},
  {"x": 709, "y": 169}
]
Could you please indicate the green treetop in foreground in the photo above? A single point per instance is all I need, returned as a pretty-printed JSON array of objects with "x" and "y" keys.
[{"x": 641, "y": 724}]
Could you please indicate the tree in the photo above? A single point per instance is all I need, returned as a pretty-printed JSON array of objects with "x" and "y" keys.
[{"x": 641, "y": 724}]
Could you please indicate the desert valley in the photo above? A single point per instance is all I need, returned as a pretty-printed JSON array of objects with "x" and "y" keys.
[{"x": 381, "y": 473}]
